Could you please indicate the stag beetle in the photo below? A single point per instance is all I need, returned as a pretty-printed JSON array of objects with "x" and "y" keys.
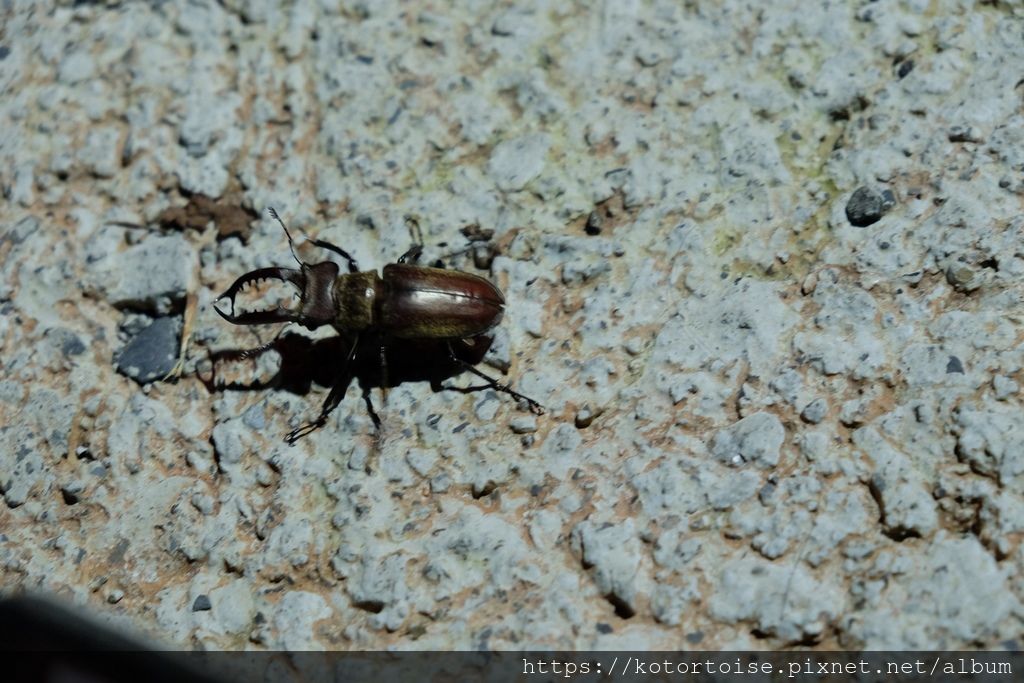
[{"x": 407, "y": 302}]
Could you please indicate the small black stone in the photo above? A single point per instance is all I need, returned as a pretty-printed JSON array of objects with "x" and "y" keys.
[
  {"x": 71, "y": 345},
  {"x": 695, "y": 637},
  {"x": 905, "y": 68},
  {"x": 604, "y": 628},
  {"x": 4, "y": 51},
  {"x": 202, "y": 604},
  {"x": 954, "y": 365},
  {"x": 151, "y": 353},
  {"x": 866, "y": 206}
]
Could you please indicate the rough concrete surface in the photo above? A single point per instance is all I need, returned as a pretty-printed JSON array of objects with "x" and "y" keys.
[{"x": 763, "y": 265}]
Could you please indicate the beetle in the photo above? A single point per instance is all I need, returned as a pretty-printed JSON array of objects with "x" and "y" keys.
[{"x": 404, "y": 302}]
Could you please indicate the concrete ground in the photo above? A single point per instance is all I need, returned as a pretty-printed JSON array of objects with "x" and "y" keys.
[{"x": 763, "y": 265}]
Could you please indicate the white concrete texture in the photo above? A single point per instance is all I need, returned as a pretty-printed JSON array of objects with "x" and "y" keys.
[{"x": 763, "y": 265}]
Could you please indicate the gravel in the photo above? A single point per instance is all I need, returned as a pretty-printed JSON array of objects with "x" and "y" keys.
[
  {"x": 151, "y": 353},
  {"x": 867, "y": 206},
  {"x": 766, "y": 296}
]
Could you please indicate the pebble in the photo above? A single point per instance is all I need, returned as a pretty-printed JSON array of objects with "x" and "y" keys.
[
  {"x": 963, "y": 277},
  {"x": 235, "y": 606},
  {"x": 514, "y": 163},
  {"x": 613, "y": 550},
  {"x": 152, "y": 353},
  {"x": 254, "y": 417},
  {"x": 584, "y": 417},
  {"x": 229, "y": 441},
  {"x": 1004, "y": 387},
  {"x": 755, "y": 439},
  {"x": 523, "y": 424},
  {"x": 148, "y": 276},
  {"x": 867, "y": 206},
  {"x": 815, "y": 411},
  {"x": 101, "y": 154},
  {"x": 77, "y": 66}
]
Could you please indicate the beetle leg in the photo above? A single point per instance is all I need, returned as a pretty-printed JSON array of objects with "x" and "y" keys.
[
  {"x": 535, "y": 408},
  {"x": 275, "y": 315},
  {"x": 462, "y": 390},
  {"x": 416, "y": 234},
  {"x": 369, "y": 408},
  {"x": 413, "y": 254},
  {"x": 331, "y": 402},
  {"x": 353, "y": 267},
  {"x": 383, "y": 352},
  {"x": 384, "y": 372}
]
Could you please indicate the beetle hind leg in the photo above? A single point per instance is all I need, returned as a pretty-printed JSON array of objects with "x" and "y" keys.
[{"x": 535, "y": 408}]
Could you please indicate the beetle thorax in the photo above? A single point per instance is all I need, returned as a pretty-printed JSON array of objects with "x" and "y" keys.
[{"x": 356, "y": 297}]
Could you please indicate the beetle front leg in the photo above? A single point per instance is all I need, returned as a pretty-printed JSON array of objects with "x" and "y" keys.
[
  {"x": 535, "y": 408},
  {"x": 413, "y": 254},
  {"x": 353, "y": 267}
]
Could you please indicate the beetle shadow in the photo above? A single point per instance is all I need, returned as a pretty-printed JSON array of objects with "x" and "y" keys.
[{"x": 305, "y": 361}]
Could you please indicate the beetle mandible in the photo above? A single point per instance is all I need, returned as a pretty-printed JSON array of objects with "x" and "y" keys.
[{"x": 405, "y": 302}]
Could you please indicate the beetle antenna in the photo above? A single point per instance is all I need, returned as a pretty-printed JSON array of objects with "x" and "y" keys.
[{"x": 291, "y": 243}]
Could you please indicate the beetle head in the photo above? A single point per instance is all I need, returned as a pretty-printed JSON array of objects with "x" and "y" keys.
[{"x": 316, "y": 304}]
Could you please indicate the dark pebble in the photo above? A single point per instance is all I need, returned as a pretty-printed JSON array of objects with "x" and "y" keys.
[
  {"x": 866, "y": 206},
  {"x": 151, "y": 353},
  {"x": 695, "y": 637},
  {"x": 604, "y": 628},
  {"x": 72, "y": 346},
  {"x": 202, "y": 604},
  {"x": 69, "y": 342},
  {"x": 954, "y": 366},
  {"x": 905, "y": 68}
]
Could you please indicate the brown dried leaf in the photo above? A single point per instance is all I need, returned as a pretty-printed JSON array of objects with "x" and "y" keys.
[{"x": 227, "y": 213}]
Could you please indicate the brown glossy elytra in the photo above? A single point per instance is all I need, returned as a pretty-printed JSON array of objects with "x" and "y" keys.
[{"x": 405, "y": 302}]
